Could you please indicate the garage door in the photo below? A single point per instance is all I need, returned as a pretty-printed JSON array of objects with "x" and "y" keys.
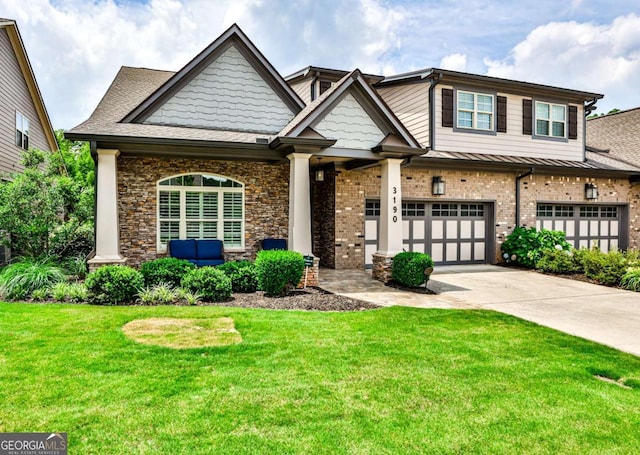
[
  {"x": 451, "y": 232},
  {"x": 585, "y": 225}
]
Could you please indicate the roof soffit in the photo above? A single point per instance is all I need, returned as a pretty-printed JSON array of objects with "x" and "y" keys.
[{"x": 232, "y": 37}]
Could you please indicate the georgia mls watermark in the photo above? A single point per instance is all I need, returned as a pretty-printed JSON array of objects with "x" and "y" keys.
[{"x": 33, "y": 443}]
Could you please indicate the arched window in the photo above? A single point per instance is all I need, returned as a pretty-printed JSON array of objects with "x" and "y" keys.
[{"x": 201, "y": 206}]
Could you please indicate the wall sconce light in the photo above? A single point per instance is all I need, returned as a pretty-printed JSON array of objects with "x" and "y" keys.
[
  {"x": 319, "y": 172},
  {"x": 590, "y": 191},
  {"x": 438, "y": 186}
]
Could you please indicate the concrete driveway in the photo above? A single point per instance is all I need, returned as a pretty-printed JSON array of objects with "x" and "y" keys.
[{"x": 601, "y": 314}]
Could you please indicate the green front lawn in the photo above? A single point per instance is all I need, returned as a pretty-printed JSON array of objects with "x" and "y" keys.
[{"x": 394, "y": 380}]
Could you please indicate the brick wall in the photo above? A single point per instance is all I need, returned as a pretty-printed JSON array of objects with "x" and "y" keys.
[
  {"x": 266, "y": 201},
  {"x": 353, "y": 187}
]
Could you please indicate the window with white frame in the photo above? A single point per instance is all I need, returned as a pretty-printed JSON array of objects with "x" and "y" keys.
[
  {"x": 22, "y": 131},
  {"x": 201, "y": 206},
  {"x": 475, "y": 110},
  {"x": 551, "y": 119}
]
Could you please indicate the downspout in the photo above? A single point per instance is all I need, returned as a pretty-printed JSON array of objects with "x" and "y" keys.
[
  {"x": 518, "y": 178},
  {"x": 432, "y": 110},
  {"x": 313, "y": 87},
  {"x": 590, "y": 106}
]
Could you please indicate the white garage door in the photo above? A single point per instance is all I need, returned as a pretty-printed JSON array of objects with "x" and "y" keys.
[
  {"x": 451, "y": 232},
  {"x": 585, "y": 225}
]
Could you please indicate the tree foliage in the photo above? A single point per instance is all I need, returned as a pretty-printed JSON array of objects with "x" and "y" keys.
[{"x": 48, "y": 208}]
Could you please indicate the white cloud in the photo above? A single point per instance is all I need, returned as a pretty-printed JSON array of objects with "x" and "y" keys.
[
  {"x": 454, "y": 62},
  {"x": 583, "y": 56}
]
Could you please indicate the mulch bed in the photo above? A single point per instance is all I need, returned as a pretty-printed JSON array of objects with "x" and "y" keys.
[
  {"x": 310, "y": 299},
  {"x": 420, "y": 290}
]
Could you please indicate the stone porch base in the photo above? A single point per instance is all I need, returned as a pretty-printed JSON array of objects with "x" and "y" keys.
[{"x": 382, "y": 265}]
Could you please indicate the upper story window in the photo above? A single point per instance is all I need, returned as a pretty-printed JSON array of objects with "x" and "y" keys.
[
  {"x": 22, "y": 131},
  {"x": 475, "y": 110},
  {"x": 198, "y": 206},
  {"x": 551, "y": 120}
]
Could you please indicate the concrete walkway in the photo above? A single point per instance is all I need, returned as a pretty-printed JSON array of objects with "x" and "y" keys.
[{"x": 601, "y": 314}]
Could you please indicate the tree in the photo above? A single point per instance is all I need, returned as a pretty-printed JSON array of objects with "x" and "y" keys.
[{"x": 48, "y": 209}]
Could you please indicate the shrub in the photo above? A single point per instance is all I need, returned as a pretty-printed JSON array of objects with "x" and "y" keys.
[
  {"x": 605, "y": 268},
  {"x": 113, "y": 285},
  {"x": 40, "y": 295},
  {"x": 188, "y": 298},
  {"x": 558, "y": 261},
  {"x": 525, "y": 246},
  {"x": 165, "y": 270},
  {"x": 244, "y": 277},
  {"x": 278, "y": 271},
  {"x": 631, "y": 279},
  {"x": 20, "y": 279},
  {"x": 578, "y": 258},
  {"x": 408, "y": 268},
  {"x": 59, "y": 291},
  {"x": 212, "y": 284},
  {"x": 160, "y": 294},
  {"x": 75, "y": 266}
]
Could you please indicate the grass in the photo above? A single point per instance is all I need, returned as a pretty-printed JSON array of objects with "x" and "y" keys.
[{"x": 395, "y": 380}]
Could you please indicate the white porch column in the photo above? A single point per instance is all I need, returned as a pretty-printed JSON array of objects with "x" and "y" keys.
[
  {"x": 390, "y": 241},
  {"x": 107, "y": 232},
  {"x": 299, "y": 203}
]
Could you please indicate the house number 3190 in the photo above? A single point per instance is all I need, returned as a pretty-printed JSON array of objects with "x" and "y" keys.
[{"x": 394, "y": 205}]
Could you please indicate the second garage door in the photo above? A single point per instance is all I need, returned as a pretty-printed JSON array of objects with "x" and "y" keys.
[
  {"x": 586, "y": 225},
  {"x": 451, "y": 232}
]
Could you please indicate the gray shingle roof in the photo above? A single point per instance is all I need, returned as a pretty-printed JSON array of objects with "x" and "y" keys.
[
  {"x": 618, "y": 133},
  {"x": 130, "y": 88}
]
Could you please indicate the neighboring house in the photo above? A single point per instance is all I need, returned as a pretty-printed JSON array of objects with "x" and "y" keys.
[
  {"x": 437, "y": 161},
  {"x": 24, "y": 121},
  {"x": 616, "y": 135}
]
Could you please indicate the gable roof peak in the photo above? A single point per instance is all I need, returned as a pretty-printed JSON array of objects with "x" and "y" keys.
[{"x": 232, "y": 36}]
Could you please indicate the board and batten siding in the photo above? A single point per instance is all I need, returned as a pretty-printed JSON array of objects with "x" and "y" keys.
[
  {"x": 410, "y": 103},
  {"x": 511, "y": 143},
  {"x": 350, "y": 124},
  {"x": 229, "y": 94},
  {"x": 303, "y": 89},
  {"x": 15, "y": 96}
]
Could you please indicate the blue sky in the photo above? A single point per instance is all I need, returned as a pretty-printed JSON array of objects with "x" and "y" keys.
[{"x": 77, "y": 46}]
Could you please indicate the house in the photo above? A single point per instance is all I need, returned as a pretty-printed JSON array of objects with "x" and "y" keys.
[
  {"x": 349, "y": 167},
  {"x": 24, "y": 121}
]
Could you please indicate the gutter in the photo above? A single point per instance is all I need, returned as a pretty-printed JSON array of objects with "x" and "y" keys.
[
  {"x": 518, "y": 178},
  {"x": 432, "y": 110}
]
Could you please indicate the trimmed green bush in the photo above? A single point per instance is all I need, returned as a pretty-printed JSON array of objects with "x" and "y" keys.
[
  {"x": 165, "y": 270},
  {"x": 243, "y": 275},
  {"x": 278, "y": 271},
  {"x": 524, "y": 246},
  {"x": 211, "y": 284},
  {"x": 631, "y": 279},
  {"x": 113, "y": 285},
  {"x": 20, "y": 279},
  {"x": 558, "y": 261},
  {"x": 408, "y": 268},
  {"x": 605, "y": 268}
]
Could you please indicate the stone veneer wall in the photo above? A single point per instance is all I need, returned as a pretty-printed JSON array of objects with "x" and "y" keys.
[
  {"x": 353, "y": 187},
  {"x": 324, "y": 218},
  {"x": 266, "y": 201}
]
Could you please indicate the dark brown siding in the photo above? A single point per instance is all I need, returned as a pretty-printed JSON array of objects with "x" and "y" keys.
[
  {"x": 501, "y": 126},
  {"x": 573, "y": 122},
  {"x": 14, "y": 95},
  {"x": 447, "y": 108},
  {"x": 527, "y": 114}
]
